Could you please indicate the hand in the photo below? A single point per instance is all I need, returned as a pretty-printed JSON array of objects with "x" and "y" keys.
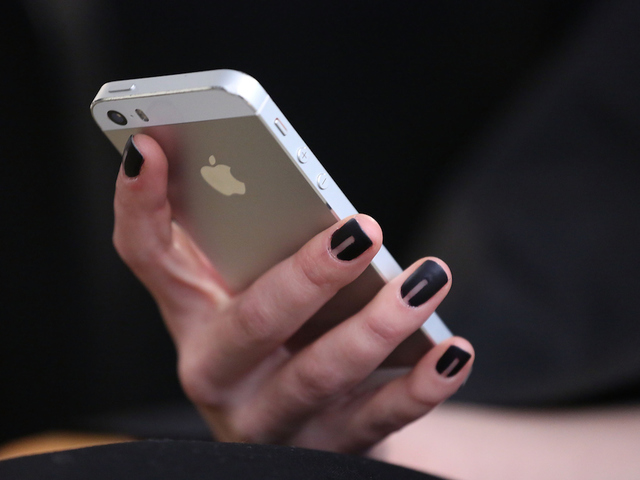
[{"x": 232, "y": 359}]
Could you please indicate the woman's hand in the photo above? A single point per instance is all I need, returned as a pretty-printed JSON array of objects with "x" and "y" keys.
[{"x": 232, "y": 361}]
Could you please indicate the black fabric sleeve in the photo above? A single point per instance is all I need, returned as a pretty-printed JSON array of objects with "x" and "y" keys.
[{"x": 182, "y": 460}]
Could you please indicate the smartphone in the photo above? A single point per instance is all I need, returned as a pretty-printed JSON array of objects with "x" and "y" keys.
[{"x": 245, "y": 186}]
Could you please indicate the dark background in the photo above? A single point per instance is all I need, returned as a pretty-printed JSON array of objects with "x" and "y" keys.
[{"x": 429, "y": 115}]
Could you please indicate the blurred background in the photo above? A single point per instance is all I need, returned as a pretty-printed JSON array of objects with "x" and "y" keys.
[{"x": 501, "y": 136}]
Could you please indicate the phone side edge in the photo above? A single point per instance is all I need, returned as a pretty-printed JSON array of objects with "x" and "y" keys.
[{"x": 384, "y": 263}]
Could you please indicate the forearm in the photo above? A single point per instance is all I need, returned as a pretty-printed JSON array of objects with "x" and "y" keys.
[{"x": 463, "y": 442}]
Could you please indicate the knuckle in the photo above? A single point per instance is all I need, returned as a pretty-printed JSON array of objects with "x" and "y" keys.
[
  {"x": 128, "y": 250},
  {"x": 136, "y": 253},
  {"x": 220, "y": 413},
  {"x": 423, "y": 394},
  {"x": 385, "y": 331},
  {"x": 314, "y": 273},
  {"x": 189, "y": 374},
  {"x": 255, "y": 320},
  {"x": 315, "y": 384},
  {"x": 193, "y": 373}
]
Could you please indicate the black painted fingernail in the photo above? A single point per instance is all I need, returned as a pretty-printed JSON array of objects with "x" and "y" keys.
[
  {"x": 423, "y": 283},
  {"x": 132, "y": 159},
  {"x": 452, "y": 361},
  {"x": 349, "y": 241}
]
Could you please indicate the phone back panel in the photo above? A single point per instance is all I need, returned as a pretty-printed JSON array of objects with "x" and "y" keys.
[{"x": 237, "y": 193}]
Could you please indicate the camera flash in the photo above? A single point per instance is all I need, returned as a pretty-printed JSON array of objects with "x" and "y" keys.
[{"x": 142, "y": 115}]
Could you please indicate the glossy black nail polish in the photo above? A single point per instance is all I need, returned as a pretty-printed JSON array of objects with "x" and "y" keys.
[
  {"x": 452, "y": 361},
  {"x": 423, "y": 283},
  {"x": 349, "y": 241},
  {"x": 132, "y": 159}
]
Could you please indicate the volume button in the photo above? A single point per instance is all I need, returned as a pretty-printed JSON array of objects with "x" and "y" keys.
[
  {"x": 322, "y": 180},
  {"x": 281, "y": 127},
  {"x": 303, "y": 154}
]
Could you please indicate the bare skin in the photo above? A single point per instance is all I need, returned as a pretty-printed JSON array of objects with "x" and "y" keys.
[
  {"x": 474, "y": 443},
  {"x": 231, "y": 356}
]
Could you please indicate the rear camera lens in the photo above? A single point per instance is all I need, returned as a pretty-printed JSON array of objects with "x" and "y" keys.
[{"x": 116, "y": 117}]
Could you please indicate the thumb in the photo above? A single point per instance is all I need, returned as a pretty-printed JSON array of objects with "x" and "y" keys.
[{"x": 142, "y": 228}]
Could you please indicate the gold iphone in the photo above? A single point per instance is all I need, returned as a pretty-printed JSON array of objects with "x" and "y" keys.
[{"x": 244, "y": 184}]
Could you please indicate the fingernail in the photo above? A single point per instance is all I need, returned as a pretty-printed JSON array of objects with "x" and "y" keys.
[
  {"x": 452, "y": 361},
  {"x": 349, "y": 241},
  {"x": 424, "y": 283},
  {"x": 132, "y": 159}
]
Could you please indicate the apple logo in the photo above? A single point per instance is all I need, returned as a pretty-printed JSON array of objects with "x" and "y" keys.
[{"x": 221, "y": 178}]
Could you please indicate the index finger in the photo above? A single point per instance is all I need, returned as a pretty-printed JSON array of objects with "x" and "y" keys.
[{"x": 261, "y": 319}]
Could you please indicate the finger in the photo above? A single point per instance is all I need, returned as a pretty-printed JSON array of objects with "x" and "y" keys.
[
  {"x": 262, "y": 318},
  {"x": 438, "y": 375},
  {"x": 346, "y": 355},
  {"x": 159, "y": 252},
  {"x": 142, "y": 228}
]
